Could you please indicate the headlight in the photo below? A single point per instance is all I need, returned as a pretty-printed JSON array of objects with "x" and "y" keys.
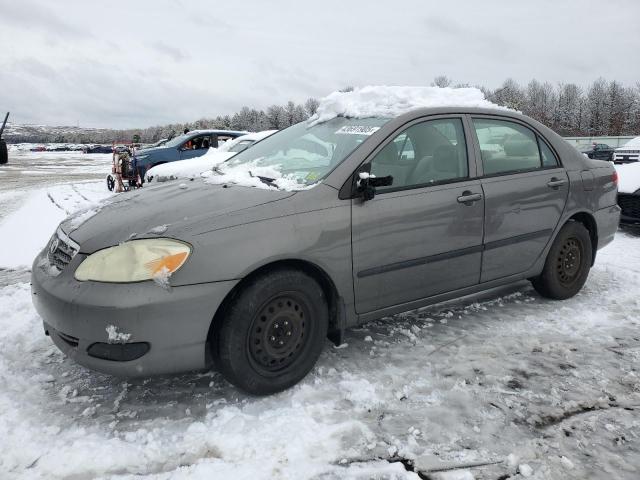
[
  {"x": 142, "y": 157},
  {"x": 134, "y": 261}
]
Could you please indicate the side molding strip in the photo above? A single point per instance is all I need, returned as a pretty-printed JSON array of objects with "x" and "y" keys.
[{"x": 453, "y": 253}]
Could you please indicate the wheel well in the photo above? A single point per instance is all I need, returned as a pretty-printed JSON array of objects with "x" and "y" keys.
[
  {"x": 317, "y": 273},
  {"x": 589, "y": 222}
]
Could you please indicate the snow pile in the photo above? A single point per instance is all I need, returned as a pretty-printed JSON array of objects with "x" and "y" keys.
[
  {"x": 628, "y": 177},
  {"x": 115, "y": 336},
  {"x": 191, "y": 168},
  {"x": 27, "y": 230},
  {"x": 160, "y": 229},
  {"x": 391, "y": 101},
  {"x": 161, "y": 278}
]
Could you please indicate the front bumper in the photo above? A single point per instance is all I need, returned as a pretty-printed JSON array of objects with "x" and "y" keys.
[{"x": 173, "y": 323}]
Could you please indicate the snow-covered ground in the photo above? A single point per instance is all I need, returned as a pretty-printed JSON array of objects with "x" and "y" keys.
[{"x": 502, "y": 385}]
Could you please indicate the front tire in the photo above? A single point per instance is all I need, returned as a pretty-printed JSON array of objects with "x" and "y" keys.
[
  {"x": 567, "y": 265},
  {"x": 272, "y": 332},
  {"x": 4, "y": 154}
]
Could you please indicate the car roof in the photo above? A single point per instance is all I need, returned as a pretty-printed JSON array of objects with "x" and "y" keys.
[{"x": 219, "y": 131}]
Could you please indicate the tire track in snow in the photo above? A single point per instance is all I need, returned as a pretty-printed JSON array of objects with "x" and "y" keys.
[{"x": 57, "y": 204}]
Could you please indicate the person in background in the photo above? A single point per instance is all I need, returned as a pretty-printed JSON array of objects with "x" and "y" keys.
[{"x": 189, "y": 144}]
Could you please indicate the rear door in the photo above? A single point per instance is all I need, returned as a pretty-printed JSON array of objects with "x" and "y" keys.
[
  {"x": 525, "y": 190},
  {"x": 422, "y": 235}
]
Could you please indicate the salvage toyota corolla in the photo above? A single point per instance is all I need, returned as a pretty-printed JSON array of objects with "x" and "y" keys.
[{"x": 383, "y": 202}]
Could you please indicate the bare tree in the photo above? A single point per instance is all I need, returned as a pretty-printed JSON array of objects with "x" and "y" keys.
[{"x": 441, "y": 81}]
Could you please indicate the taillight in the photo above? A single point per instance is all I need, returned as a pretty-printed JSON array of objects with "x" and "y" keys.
[{"x": 614, "y": 178}]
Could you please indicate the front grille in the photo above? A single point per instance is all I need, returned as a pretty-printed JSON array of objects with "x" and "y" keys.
[
  {"x": 68, "y": 339},
  {"x": 627, "y": 156},
  {"x": 61, "y": 250},
  {"x": 630, "y": 205}
]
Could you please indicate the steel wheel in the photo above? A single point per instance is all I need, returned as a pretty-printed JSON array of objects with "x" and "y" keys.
[
  {"x": 569, "y": 261},
  {"x": 567, "y": 264},
  {"x": 278, "y": 333},
  {"x": 272, "y": 331}
]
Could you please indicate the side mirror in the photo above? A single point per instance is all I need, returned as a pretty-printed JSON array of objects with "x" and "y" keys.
[{"x": 367, "y": 183}]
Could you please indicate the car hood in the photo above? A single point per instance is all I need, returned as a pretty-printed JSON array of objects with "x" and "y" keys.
[
  {"x": 175, "y": 210},
  {"x": 150, "y": 151},
  {"x": 628, "y": 177}
]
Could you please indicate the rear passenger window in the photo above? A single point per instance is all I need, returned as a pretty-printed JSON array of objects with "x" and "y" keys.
[
  {"x": 506, "y": 146},
  {"x": 548, "y": 158},
  {"x": 427, "y": 153}
]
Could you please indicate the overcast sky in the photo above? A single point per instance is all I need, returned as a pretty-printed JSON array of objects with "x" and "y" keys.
[{"x": 142, "y": 63}]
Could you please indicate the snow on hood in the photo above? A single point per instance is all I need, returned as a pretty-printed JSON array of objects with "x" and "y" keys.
[
  {"x": 633, "y": 143},
  {"x": 391, "y": 101},
  {"x": 628, "y": 177},
  {"x": 249, "y": 175},
  {"x": 191, "y": 168}
]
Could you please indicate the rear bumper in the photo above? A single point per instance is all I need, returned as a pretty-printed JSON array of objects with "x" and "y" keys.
[
  {"x": 123, "y": 318},
  {"x": 607, "y": 220}
]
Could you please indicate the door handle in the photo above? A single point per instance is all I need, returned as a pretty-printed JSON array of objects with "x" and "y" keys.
[
  {"x": 556, "y": 182},
  {"x": 468, "y": 197}
]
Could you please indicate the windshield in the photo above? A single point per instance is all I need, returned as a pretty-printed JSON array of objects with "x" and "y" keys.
[
  {"x": 240, "y": 146},
  {"x": 304, "y": 155},
  {"x": 179, "y": 140}
]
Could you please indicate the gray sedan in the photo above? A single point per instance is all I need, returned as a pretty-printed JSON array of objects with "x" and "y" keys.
[{"x": 339, "y": 222}]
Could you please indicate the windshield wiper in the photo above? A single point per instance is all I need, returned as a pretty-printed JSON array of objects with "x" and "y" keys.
[{"x": 267, "y": 180}]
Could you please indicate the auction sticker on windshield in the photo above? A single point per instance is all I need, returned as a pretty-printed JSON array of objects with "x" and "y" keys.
[{"x": 357, "y": 130}]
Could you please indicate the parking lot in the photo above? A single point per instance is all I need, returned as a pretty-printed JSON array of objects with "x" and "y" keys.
[{"x": 484, "y": 386}]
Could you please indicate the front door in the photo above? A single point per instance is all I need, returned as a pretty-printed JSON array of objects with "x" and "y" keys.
[
  {"x": 195, "y": 147},
  {"x": 525, "y": 190},
  {"x": 422, "y": 235}
]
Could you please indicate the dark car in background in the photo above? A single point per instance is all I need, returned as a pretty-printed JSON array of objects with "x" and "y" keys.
[
  {"x": 190, "y": 145},
  {"x": 599, "y": 151},
  {"x": 98, "y": 149}
]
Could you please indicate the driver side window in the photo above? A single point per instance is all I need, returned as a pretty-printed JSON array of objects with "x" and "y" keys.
[{"x": 426, "y": 153}]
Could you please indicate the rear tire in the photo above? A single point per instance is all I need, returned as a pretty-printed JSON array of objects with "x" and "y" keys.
[
  {"x": 4, "y": 154},
  {"x": 111, "y": 183},
  {"x": 567, "y": 265},
  {"x": 272, "y": 332}
]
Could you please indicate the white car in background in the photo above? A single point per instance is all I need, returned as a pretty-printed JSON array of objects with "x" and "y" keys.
[
  {"x": 193, "y": 167},
  {"x": 628, "y": 153}
]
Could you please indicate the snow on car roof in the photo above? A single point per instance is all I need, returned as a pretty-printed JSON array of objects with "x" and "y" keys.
[
  {"x": 254, "y": 136},
  {"x": 634, "y": 142},
  {"x": 391, "y": 101}
]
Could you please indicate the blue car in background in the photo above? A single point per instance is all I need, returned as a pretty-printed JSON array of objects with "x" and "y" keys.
[{"x": 190, "y": 145}]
